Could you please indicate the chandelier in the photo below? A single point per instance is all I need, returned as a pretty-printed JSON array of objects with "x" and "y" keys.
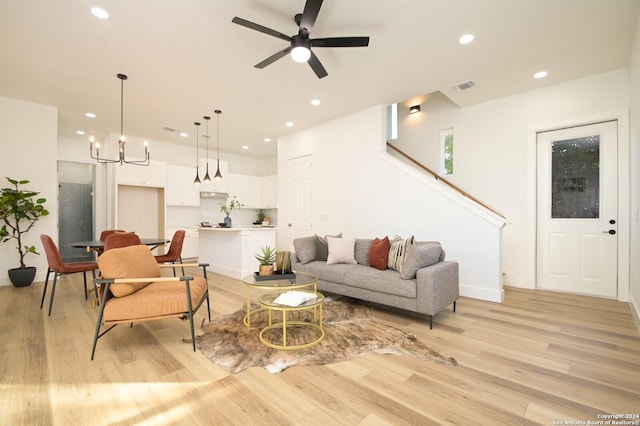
[{"x": 122, "y": 141}]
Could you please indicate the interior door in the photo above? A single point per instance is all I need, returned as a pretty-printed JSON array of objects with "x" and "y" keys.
[
  {"x": 300, "y": 179},
  {"x": 577, "y": 210}
]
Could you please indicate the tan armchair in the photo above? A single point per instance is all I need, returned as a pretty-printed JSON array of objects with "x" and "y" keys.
[{"x": 132, "y": 290}]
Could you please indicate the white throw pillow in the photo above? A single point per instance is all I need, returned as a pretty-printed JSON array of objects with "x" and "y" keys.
[{"x": 341, "y": 250}]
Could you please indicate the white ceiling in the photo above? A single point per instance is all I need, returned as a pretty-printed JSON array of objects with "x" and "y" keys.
[{"x": 185, "y": 59}]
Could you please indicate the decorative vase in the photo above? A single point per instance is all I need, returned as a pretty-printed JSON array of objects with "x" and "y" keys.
[
  {"x": 283, "y": 262},
  {"x": 265, "y": 270},
  {"x": 22, "y": 277},
  {"x": 227, "y": 222}
]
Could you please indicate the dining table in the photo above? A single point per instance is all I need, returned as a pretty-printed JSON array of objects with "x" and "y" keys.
[{"x": 97, "y": 245}]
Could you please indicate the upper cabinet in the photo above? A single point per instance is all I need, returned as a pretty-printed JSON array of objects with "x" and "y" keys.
[
  {"x": 221, "y": 185},
  {"x": 181, "y": 191},
  {"x": 254, "y": 192},
  {"x": 155, "y": 174}
]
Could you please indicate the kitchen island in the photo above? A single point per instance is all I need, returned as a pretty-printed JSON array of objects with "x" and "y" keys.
[{"x": 231, "y": 251}]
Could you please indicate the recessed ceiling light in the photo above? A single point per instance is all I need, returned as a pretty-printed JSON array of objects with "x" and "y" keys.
[
  {"x": 288, "y": 124},
  {"x": 80, "y": 132},
  {"x": 99, "y": 12},
  {"x": 184, "y": 134},
  {"x": 90, "y": 115},
  {"x": 267, "y": 139},
  {"x": 540, "y": 74},
  {"x": 245, "y": 147},
  {"x": 466, "y": 39},
  {"x": 315, "y": 102}
]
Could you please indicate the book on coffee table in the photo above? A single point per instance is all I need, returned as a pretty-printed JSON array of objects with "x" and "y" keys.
[{"x": 294, "y": 298}]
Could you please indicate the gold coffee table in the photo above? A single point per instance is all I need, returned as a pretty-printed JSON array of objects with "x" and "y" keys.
[
  {"x": 302, "y": 280},
  {"x": 267, "y": 301}
]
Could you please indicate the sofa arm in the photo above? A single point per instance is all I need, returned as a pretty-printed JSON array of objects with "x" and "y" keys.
[{"x": 437, "y": 286}]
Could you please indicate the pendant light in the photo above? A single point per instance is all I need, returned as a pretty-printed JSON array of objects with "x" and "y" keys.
[
  {"x": 197, "y": 179},
  {"x": 218, "y": 175},
  {"x": 122, "y": 141},
  {"x": 207, "y": 178}
]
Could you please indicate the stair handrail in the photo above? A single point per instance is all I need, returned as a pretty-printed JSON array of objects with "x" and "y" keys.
[{"x": 438, "y": 177}]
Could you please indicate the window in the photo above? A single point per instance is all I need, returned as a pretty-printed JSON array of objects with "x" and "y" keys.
[{"x": 446, "y": 150}]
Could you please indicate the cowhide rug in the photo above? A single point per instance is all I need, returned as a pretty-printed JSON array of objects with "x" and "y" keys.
[{"x": 350, "y": 331}]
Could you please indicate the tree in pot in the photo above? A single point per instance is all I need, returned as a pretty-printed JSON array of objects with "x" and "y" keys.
[
  {"x": 20, "y": 210},
  {"x": 267, "y": 258}
]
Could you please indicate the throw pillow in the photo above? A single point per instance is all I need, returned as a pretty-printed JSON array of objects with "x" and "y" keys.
[
  {"x": 397, "y": 252},
  {"x": 322, "y": 251},
  {"x": 420, "y": 255},
  {"x": 341, "y": 250},
  {"x": 363, "y": 246},
  {"x": 305, "y": 248},
  {"x": 378, "y": 255},
  {"x": 128, "y": 262}
]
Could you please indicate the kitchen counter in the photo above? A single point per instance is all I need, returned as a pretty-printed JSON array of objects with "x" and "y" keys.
[{"x": 231, "y": 251}]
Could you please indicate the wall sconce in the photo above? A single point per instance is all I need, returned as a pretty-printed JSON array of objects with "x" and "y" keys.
[{"x": 414, "y": 109}]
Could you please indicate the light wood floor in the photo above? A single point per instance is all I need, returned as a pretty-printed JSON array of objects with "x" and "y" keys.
[{"x": 537, "y": 358}]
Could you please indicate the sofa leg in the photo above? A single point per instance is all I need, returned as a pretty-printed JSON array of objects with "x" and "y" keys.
[
  {"x": 454, "y": 306},
  {"x": 431, "y": 322}
]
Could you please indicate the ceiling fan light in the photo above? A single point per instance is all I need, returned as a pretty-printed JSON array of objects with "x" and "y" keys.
[{"x": 300, "y": 54}]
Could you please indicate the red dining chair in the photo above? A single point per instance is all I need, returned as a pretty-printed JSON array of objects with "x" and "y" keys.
[
  {"x": 175, "y": 251},
  {"x": 121, "y": 239},
  {"x": 59, "y": 268},
  {"x": 104, "y": 234}
]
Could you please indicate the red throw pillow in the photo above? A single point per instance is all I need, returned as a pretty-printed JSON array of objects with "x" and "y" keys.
[{"x": 379, "y": 253}]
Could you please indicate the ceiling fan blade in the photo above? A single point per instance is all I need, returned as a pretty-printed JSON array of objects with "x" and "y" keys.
[
  {"x": 340, "y": 42},
  {"x": 260, "y": 28},
  {"x": 309, "y": 14},
  {"x": 316, "y": 66},
  {"x": 271, "y": 59}
]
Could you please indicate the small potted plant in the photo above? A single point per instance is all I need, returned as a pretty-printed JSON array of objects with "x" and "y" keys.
[
  {"x": 227, "y": 208},
  {"x": 267, "y": 258},
  {"x": 19, "y": 211},
  {"x": 261, "y": 214}
]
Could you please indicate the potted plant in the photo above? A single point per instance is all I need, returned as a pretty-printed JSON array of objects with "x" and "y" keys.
[
  {"x": 19, "y": 211},
  {"x": 261, "y": 214},
  {"x": 267, "y": 258},
  {"x": 227, "y": 208}
]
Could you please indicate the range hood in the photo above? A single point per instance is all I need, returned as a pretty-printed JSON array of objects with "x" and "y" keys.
[{"x": 210, "y": 194}]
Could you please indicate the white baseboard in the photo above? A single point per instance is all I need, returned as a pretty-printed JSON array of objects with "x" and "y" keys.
[
  {"x": 489, "y": 295},
  {"x": 635, "y": 310}
]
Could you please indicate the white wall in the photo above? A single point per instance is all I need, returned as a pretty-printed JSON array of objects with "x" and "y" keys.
[
  {"x": 493, "y": 152},
  {"x": 634, "y": 78},
  {"x": 361, "y": 191},
  {"x": 28, "y": 138}
]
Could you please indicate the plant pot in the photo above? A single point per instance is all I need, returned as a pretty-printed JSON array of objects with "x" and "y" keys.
[
  {"x": 227, "y": 221},
  {"x": 22, "y": 277},
  {"x": 265, "y": 270}
]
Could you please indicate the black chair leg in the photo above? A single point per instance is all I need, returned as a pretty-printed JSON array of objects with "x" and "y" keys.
[
  {"x": 84, "y": 275},
  {"x": 53, "y": 290},
  {"x": 454, "y": 306},
  {"x": 180, "y": 260},
  {"x": 44, "y": 291}
]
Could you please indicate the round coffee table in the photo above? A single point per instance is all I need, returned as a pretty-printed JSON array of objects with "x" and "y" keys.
[
  {"x": 267, "y": 301},
  {"x": 302, "y": 280}
]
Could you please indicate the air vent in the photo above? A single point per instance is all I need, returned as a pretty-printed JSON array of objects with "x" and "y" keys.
[
  {"x": 464, "y": 85},
  {"x": 169, "y": 129}
]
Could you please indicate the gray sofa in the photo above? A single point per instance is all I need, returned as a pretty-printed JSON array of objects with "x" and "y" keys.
[{"x": 424, "y": 283}]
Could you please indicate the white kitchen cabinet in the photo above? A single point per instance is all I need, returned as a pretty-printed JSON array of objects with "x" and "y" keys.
[
  {"x": 181, "y": 191},
  {"x": 269, "y": 192},
  {"x": 247, "y": 189},
  {"x": 155, "y": 174},
  {"x": 221, "y": 185}
]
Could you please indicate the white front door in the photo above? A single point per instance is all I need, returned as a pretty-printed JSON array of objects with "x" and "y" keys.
[
  {"x": 300, "y": 179},
  {"x": 577, "y": 211}
]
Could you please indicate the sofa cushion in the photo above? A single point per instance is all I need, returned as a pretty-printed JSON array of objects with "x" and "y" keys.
[
  {"x": 305, "y": 248},
  {"x": 362, "y": 248},
  {"x": 128, "y": 262},
  {"x": 397, "y": 252},
  {"x": 334, "y": 273},
  {"x": 341, "y": 250},
  {"x": 387, "y": 281},
  {"x": 322, "y": 250},
  {"x": 379, "y": 253},
  {"x": 418, "y": 256}
]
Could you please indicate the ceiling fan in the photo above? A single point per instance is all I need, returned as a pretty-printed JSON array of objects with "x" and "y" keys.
[{"x": 300, "y": 44}]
